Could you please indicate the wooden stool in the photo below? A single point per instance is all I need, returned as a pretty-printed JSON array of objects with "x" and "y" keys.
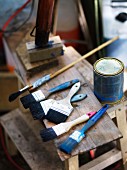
[{"x": 26, "y": 137}]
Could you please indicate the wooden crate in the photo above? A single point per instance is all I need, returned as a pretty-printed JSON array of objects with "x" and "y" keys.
[{"x": 8, "y": 85}]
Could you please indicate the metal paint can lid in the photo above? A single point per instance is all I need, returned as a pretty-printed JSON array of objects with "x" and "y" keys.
[{"x": 108, "y": 66}]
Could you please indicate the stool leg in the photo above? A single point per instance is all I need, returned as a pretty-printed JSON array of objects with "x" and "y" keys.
[
  {"x": 122, "y": 125},
  {"x": 12, "y": 150},
  {"x": 72, "y": 163}
]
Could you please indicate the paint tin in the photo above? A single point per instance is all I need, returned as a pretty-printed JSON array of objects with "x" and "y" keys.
[{"x": 108, "y": 80}]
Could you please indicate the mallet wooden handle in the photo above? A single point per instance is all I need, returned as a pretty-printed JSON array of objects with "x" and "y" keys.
[
  {"x": 84, "y": 56},
  {"x": 43, "y": 22}
]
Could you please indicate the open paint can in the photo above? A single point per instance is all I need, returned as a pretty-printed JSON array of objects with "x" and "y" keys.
[{"x": 108, "y": 80}]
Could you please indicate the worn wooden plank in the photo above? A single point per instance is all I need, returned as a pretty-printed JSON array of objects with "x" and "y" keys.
[
  {"x": 39, "y": 54},
  {"x": 24, "y": 56},
  {"x": 6, "y": 79},
  {"x": 103, "y": 161},
  {"x": 122, "y": 124},
  {"x": 84, "y": 67},
  {"x": 72, "y": 163},
  {"x": 11, "y": 148},
  {"x": 38, "y": 155}
]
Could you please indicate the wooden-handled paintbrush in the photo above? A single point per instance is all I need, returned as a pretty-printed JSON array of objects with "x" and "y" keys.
[
  {"x": 39, "y": 95},
  {"x": 30, "y": 87},
  {"x": 72, "y": 141},
  {"x": 50, "y": 76},
  {"x": 39, "y": 110},
  {"x": 61, "y": 109},
  {"x": 57, "y": 130}
]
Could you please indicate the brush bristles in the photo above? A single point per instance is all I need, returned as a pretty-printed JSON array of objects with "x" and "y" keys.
[
  {"x": 27, "y": 100},
  {"x": 37, "y": 111},
  {"x": 13, "y": 96},
  {"x": 68, "y": 145},
  {"x": 47, "y": 134},
  {"x": 56, "y": 117}
]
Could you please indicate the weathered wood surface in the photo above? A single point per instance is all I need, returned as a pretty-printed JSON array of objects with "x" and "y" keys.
[
  {"x": 38, "y": 155},
  {"x": 44, "y": 54},
  {"x": 122, "y": 124},
  {"x": 72, "y": 163},
  {"x": 8, "y": 84},
  {"x": 103, "y": 161},
  {"x": 105, "y": 130}
]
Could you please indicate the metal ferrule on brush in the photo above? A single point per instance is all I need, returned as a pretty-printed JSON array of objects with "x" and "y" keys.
[
  {"x": 77, "y": 136},
  {"x": 24, "y": 88},
  {"x": 57, "y": 130},
  {"x": 60, "y": 110},
  {"x": 30, "y": 98},
  {"x": 40, "y": 109},
  {"x": 38, "y": 95}
]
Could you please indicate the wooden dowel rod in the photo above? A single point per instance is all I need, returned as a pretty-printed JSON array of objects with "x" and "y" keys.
[{"x": 85, "y": 56}]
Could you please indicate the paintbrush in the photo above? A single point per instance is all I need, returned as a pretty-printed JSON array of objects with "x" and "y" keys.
[
  {"x": 60, "y": 110},
  {"x": 39, "y": 96},
  {"x": 30, "y": 87},
  {"x": 57, "y": 130},
  {"x": 48, "y": 77},
  {"x": 39, "y": 110},
  {"x": 72, "y": 141}
]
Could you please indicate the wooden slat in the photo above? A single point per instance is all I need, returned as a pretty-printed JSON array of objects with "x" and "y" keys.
[
  {"x": 45, "y": 54},
  {"x": 103, "y": 161},
  {"x": 72, "y": 163},
  {"x": 37, "y": 66},
  {"x": 122, "y": 124},
  {"x": 6, "y": 79},
  {"x": 84, "y": 67},
  {"x": 37, "y": 154}
]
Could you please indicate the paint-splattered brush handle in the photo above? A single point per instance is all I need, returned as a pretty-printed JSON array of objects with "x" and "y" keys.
[
  {"x": 75, "y": 138},
  {"x": 63, "y": 86},
  {"x": 79, "y": 135},
  {"x": 95, "y": 118},
  {"x": 78, "y": 97}
]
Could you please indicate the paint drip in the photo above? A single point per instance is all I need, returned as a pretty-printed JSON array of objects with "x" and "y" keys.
[{"x": 108, "y": 80}]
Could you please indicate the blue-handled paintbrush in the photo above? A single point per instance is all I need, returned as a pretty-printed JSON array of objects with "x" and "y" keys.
[
  {"x": 57, "y": 130},
  {"x": 50, "y": 76},
  {"x": 70, "y": 143},
  {"x": 40, "y": 109},
  {"x": 39, "y": 95}
]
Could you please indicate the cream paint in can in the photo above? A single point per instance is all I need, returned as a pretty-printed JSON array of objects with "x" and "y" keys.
[{"x": 108, "y": 80}]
